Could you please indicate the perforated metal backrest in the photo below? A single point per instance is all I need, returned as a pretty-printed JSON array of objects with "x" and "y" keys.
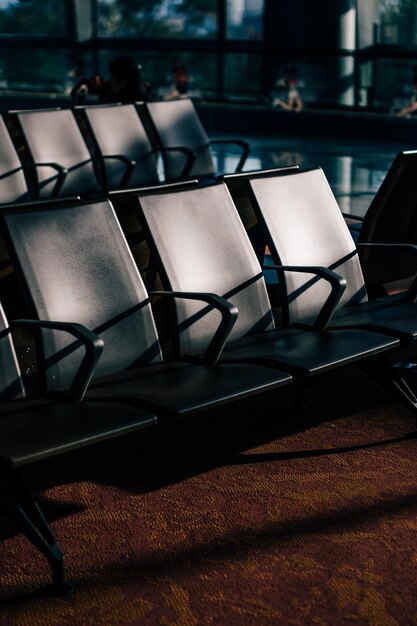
[
  {"x": 177, "y": 123},
  {"x": 52, "y": 135},
  {"x": 11, "y": 385},
  {"x": 77, "y": 267},
  {"x": 305, "y": 227},
  {"x": 202, "y": 246},
  {"x": 13, "y": 187},
  {"x": 392, "y": 218},
  {"x": 118, "y": 130}
]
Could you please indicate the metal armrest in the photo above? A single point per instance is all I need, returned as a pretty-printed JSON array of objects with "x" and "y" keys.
[
  {"x": 228, "y": 312},
  {"x": 62, "y": 174},
  {"x": 338, "y": 286},
  {"x": 129, "y": 163},
  {"x": 238, "y": 142},
  {"x": 191, "y": 157},
  {"x": 411, "y": 293},
  {"x": 76, "y": 166},
  {"x": 93, "y": 349}
]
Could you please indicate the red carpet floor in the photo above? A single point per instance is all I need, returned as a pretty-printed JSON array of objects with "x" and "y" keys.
[{"x": 277, "y": 518}]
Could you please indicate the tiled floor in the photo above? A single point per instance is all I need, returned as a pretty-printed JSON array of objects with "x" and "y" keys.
[{"x": 355, "y": 169}]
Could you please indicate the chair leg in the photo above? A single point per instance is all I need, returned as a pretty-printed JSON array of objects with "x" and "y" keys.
[
  {"x": 380, "y": 368},
  {"x": 26, "y": 513}
]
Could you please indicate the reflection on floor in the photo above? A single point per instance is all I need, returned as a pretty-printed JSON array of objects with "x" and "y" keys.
[{"x": 355, "y": 169}]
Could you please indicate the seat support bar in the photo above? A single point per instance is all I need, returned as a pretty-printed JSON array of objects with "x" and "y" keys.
[{"x": 24, "y": 511}]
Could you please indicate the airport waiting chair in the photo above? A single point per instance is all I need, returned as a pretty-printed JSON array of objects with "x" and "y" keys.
[
  {"x": 175, "y": 124},
  {"x": 52, "y": 145},
  {"x": 13, "y": 183},
  {"x": 303, "y": 224},
  {"x": 36, "y": 428},
  {"x": 200, "y": 242},
  {"x": 120, "y": 143},
  {"x": 391, "y": 218}
]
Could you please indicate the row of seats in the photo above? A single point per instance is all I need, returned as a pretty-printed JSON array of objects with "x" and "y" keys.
[
  {"x": 107, "y": 364},
  {"x": 88, "y": 150}
]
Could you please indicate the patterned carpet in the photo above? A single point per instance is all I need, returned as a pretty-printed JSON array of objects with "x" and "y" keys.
[{"x": 276, "y": 518}]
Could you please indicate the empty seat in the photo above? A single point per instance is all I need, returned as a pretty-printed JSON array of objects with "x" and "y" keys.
[
  {"x": 13, "y": 184},
  {"x": 120, "y": 143},
  {"x": 304, "y": 226},
  {"x": 177, "y": 126},
  {"x": 53, "y": 145},
  {"x": 391, "y": 218}
]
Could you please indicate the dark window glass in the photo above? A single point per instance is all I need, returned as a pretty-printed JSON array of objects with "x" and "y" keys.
[
  {"x": 398, "y": 22},
  {"x": 34, "y": 70},
  {"x": 242, "y": 75},
  {"x": 245, "y": 19},
  {"x": 390, "y": 22},
  {"x": 393, "y": 83},
  {"x": 33, "y": 17},
  {"x": 158, "y": 19}
]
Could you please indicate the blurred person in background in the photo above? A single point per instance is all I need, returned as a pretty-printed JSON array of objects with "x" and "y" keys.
[{"x": 126, "y": 83}]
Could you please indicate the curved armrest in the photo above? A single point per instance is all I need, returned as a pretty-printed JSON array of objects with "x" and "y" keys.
[
  {"x": 76, "y": 166},
  {"x": 93, "y": 349},
  {"x": 62, "y": 174},
  {"x": 337, "y": 283},
  {"x": 228, "y": 312},
  {"x": 411, "y": 293},
  {"x": 238, "y": 142},
  {"x": 129, "y": 163},
  {"x": 191, "y": 157}
]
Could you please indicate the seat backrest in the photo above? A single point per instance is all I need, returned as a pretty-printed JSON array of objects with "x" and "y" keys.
[
  {"x": 125, "y": 205},
  {"x": 116, "y": 129},
  {"x": 392, "y": 218},
  {"x": 52, "y": 135},
  {"x": 238, "y": 188},
  {"x": 304, "y": 226},
  {"x": 201, "y": 245},
  {"x": 11, "y": 385},
  {"x": 13, "y": 186},
  {"x": 76, "y": 266},
  {"x": 177, "y": 123}
]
